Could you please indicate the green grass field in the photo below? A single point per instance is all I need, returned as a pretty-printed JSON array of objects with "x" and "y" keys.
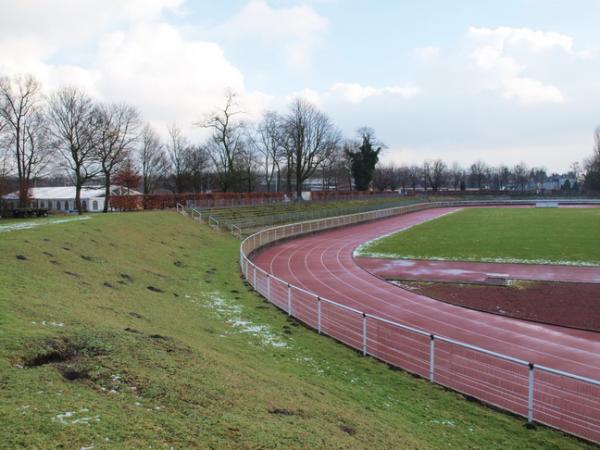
[
  {"x": 137, "y": 331},
  {"x": 529, "y": 235}
]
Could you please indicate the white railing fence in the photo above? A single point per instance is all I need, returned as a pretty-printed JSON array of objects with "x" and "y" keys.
[{"x": 542, "y": 394}]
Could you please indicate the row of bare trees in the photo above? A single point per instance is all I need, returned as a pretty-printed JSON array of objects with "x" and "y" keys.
[
  {"x": 65, "y": 131},
  {"x": 278, "y": 153},
  {"x": 71, "y": 134},
  {"x": 435, "y": 175}
]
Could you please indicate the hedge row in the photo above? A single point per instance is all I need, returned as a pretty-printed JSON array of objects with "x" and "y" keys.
[{"x": 165, "y": 201}]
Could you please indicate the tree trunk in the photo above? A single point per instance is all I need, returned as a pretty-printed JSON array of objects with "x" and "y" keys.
[
  {"x": 78, "y": 184},
  {"x": 106, "y": 191}
]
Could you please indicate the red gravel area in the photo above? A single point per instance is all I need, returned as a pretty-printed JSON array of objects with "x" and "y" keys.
[{"x": 575, "y": 305}]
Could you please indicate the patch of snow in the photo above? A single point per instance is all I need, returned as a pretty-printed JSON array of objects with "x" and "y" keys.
[
  {"x": 444, "y": 422},
  {"x": 41, "y": 222},
  {"x": 68, "y": 418},
  {"x": 232, "y": 314},
  {"x": 51, "y": 324}
]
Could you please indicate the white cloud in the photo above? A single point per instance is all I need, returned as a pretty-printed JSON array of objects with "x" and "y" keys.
[
  {"x": 64, "y": 22},
  {"x": 171, "y": 78},
  {"x": 427, "y": 53},
  {"x": 298, "y": 28},
  {"x": 534, "y": 40},
  {"x": 529, "y": 90},
  {"x": 136, "y": 58},
  {"x": 356, "y": 93},
  {"x": 310, "y": 95},
  {"x": 494, "y": 55}
]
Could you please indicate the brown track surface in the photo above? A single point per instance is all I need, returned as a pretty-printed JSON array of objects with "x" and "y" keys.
[{"x": 575, "y": 305}]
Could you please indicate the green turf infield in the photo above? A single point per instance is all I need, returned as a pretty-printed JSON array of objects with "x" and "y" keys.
[
  {"x": 135, "y": 330},
  {"x": 528, "y": 235}
]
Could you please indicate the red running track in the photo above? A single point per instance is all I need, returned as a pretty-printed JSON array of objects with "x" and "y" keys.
[{"x": 323, "y": 263}]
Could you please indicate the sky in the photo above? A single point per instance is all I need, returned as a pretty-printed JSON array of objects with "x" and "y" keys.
[{"x": 501, "y": 81}]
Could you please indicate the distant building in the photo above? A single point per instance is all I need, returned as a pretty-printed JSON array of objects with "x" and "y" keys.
[{"x": 63, "y": 198}]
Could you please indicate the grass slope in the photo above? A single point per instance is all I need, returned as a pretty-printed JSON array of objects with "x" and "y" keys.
[
  {"x": 565, "y": 236},
  {"x": 89, "y": 355}
]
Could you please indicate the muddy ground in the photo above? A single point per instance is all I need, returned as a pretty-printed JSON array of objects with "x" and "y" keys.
[{"x": 575, "y": 305}]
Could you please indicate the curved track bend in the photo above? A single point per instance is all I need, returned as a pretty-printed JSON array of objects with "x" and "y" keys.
[{"x": 323, "y": 263}]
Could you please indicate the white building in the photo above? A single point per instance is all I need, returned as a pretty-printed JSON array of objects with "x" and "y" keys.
[{"x": 63, "y": 198}]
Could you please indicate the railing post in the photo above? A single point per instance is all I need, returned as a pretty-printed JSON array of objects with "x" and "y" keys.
[
  {"x": 364, "y": 334},
  {"x": 319, "y": 315},
  {"x": 289, "y": 300},
  {"x": 431, "y": 358},
  {"x": 268, "y": 287},
  {"x": 530, "y": 393},
  {"x": 255, "y": 286}
]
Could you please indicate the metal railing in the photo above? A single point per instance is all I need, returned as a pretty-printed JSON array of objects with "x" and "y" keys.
[{"x": 542, "y": 394}]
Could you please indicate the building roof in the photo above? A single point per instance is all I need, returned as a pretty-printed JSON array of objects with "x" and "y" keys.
[{"x": 68, "y": 192}]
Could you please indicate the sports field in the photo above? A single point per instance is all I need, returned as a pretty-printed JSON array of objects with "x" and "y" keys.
[
  {"x": 137, "y": 331},
  {"x": 527, "y": 235}
]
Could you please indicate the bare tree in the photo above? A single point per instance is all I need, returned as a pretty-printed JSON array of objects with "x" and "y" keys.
[
  {"x": 503, "y": 176},
  {"x": 414, "y": 174},
  {"x": 152, "y": 159},
  {"x": 177, "y": 154},
  {"x": 309, "y": 137},
  {"x": 4, "y": 167},
  {"x": 117, "y": 127},
  {"x": 456, "y": 175},
  {"x": 330, "y": 168},
  {"x": 386, "y": 177},
  {"x": 268, "y": 144},
  {"x": 426, "y": 173},
  {"x": 520, "y": 176},
  {"x": 72, "y": 126},
  {"x": 24, "y": 128},
  {"x": 478, "y": 170},
  {"x": 227, "y": 141},
  {"x": 437, "y": 174},
  {"x": 249, "y": 164},
  {"x": 538, "y": 175},
  {"x": 197, "y": 163}
]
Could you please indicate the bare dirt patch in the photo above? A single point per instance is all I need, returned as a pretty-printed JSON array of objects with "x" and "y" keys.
[{"x": 575, "y": 305}]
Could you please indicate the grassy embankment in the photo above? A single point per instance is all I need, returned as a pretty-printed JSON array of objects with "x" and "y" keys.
[
  {"x": 528, "y": 235},
  {"x": 135, "y": 330}
]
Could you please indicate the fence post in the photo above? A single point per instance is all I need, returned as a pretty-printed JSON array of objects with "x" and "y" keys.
[
  {"x": 268, "y": 287},
  {"x": 364, "y": 334},
  {"x": 289, "y": 300},
  {"x": 319, "y": 315},
  {"x": 431, "y": 358},
  {"x": 255, "y": 286},
  {"x": 530, "y": 393}
]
